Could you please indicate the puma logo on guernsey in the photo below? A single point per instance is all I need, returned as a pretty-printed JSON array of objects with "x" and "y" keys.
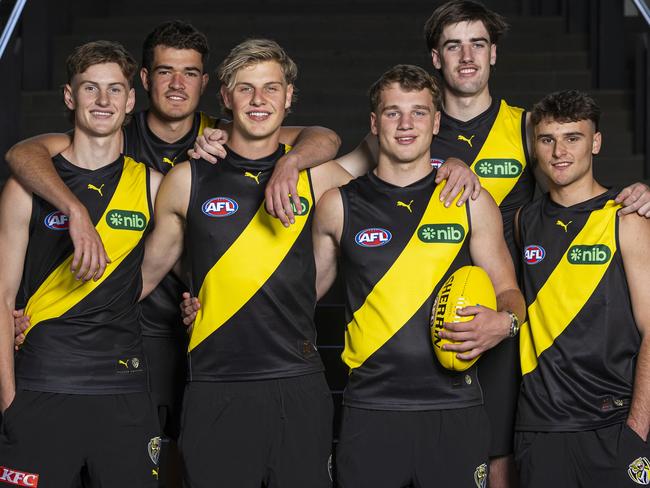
[
  {"x": 256, "y": 177},
  {"x": 98, "y": 190},
  {"x": 563, "y": 225},
  {"x": 123, "y": 363},
  {"x": 405, "y": 205},
  {"x": 169, "y": 162},
  {"x": 468, "y": 141}
]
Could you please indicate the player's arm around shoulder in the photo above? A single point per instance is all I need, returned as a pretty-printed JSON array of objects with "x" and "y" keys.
[
  {"x": 326, "y": 232},
  {"x": 15, "y": 214},
  {"x": 362, "y": 158},
  {"x": 488, "y": 250},
  {"x": 327, "y": 176},
  {"x": 634, "y": 239},
  {"x": 165, "y": 243}
]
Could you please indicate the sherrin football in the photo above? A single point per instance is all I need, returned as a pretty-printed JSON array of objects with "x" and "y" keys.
[{"x": 467, "y": 286}]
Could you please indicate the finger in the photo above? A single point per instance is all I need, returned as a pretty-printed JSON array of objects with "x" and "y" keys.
[
  {"x": 93, "y": 266},
  {"x": 455, "y": 327},
  {"x": 18, "y": 313},
  {"x": 101, "y": 265},
  {"x": 189, "y": 319},
  {"x": 442, "y": 174},
  {"x": 477, "y": 188},
  {"x": 459, "y": 346},
  {"x": 471, "y": 310},
  {"x": 76, "y": 259},
  {"x": 280, "y": 209},
  {"x": 468, "y": 356},
  {"x": 445, "y": 191},
  {"x": 268, "y": 197},
  {"x": 18, "y": 341},
  {"x": 84, "y": 265},
  {"x": 623, "y": 194},
  {"x": 285, "y": 196}
]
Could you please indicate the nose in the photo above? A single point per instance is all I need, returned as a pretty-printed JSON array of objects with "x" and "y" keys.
[
  {"x": 102, "y": 98},
  {"x": 559, "y": 149},
  {"x": 405, "y": 121},
  {"x": 176, "y": 81},
  {"x": 466, "y": 52},
  {"x": 257, "y": 98}
]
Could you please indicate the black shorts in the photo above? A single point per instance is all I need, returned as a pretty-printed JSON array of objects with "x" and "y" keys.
[
  {"x": 500, "y": 375},
  {"x": 611, "y": 457},
  {"x": 393, "y": 449},
  {"x": 167, "y": 363},
  {"x": 49, "y": 439},
  {"x": 247, "y": 434}
]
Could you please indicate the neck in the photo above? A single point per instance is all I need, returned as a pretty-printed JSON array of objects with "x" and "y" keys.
[
  {"x": 169, "y": 131},
  {"x": 253, "y": 148},
  {"x": 465, "y": 108},
  {"x": 403, "y": 174},
  {"x": 577, "y": 192},
  {"x": 92, "y": 152}
]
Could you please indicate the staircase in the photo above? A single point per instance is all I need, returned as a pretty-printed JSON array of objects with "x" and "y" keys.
[{"x": 341, "y": 47}]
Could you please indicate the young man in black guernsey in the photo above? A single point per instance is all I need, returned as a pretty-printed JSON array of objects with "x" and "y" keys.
[
  {"x": 407, "y": 421},
  {"x": 173, "y": 58},
  {"x": 491, "y": 137},
  {"x": 74, "y": 398},
  {"x": 584, "y": 408},
  {"x": 257, "y": 400}
]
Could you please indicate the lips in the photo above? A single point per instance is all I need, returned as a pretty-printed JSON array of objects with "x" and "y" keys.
[
  {"x": 467, "y": 70},
  {"x": 176, "y": 97},
  {"x": 405, "y": 140},
  {"x": 102, "y": 114},
  {"x": 258, "y": 115}
]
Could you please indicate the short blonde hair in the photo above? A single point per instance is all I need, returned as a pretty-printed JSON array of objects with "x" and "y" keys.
[{"x": 251, "y": 52}]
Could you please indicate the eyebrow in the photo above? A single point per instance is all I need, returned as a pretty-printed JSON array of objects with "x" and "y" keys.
[
  {"x": 94, "y": 83},
  {"x": 566, "y": 134},
  {"x": 396, "y": 107},
  {"x": 458, "y": 41},
  {"x": 186, "y": 68}
]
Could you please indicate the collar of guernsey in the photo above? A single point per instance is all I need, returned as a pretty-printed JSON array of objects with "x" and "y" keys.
[
  {"x": 553, "y": 308},
  {"x": 505, "y": 137},
  {"x": 407, "y": 284},
  {"x": 61, "y": 291},
  {"x": 235, "y": 278}
]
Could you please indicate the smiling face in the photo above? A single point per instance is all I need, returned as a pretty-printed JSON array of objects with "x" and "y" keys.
[
  {"x": 405, "y": 122},
  {"x": 464, "y": 56},
  {"x": 258, "y": 97},
  {"x": 175, "y": 83},
  {"x": 565, "y": 150},
  {"x": 100, "y": 98}
]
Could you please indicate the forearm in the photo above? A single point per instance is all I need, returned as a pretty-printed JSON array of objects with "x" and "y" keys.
[
  {"x": 7, "y": 382},
  {"x": 31, "y": 164},
  {"x": 639, "y": 416},
  {"x": 313, "y": 146}
]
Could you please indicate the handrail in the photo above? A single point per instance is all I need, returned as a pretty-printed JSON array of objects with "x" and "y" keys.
[
  {"x": 11, "y": 25},
  {"x": 643, "y": 7}
]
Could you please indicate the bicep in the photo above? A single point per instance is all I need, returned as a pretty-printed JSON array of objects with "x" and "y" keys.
[
  {"x": 326, "y": 233},
  {"x": 488, "y": 246},
  {"x": 15, "y": 214},
  {"x": 634, "y": 237}
]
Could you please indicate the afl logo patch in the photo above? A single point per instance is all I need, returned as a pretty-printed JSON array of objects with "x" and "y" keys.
[
  {"x": 373, "y": 237},
  {"x": 436, "y": 163},
  {"x": 219, "y": 207},
  {"x": 534, "y": 254},
  {"x": 56, "y": 221}
]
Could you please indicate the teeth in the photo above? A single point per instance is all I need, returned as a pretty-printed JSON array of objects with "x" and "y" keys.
[
  {"x": 103, "y": 114},
  {"x": 172, "y": 97},
  {"x": 258, "y": 114}
]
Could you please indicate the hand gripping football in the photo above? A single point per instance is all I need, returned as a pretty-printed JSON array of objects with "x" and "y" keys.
[{"x": 467, "y": 286}]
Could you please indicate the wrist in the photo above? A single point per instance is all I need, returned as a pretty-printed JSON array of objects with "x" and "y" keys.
[
  {"x": 290, "y": 159},
  {"x": 76, "y": 211},
  {"x": 513, "y": 324}
]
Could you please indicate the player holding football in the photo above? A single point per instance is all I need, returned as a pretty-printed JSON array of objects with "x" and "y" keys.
[
  {"x": 404, "y": 414},
  {"x": 584, "y": 408}
]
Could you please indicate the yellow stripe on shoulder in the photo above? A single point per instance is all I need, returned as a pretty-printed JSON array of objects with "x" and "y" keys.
[
  {"x": 570, "y": 285},
  {"x": 247, "y": 265},
  {"x": 409, "y": 282},
  {"x": 502, "y": 159},
  {"x": 121, "y": 227}
]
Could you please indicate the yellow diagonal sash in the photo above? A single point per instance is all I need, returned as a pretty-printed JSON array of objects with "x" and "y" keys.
[
  {"x": 505, "y": 138},
  {"x": 247, "y": 264},
  {"x": 61, "y": 291},
  {"x": 567, "y": 289},
  {"x": 408, "y": 283}
]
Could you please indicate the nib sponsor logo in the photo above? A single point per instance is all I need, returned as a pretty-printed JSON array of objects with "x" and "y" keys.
[
  {"x": 219, "y": 207},
  {"x": 595, "y": 254},
  {"x": 374, "y": 237},
  {"x": 498, "y": 168},
  {"x": 18, "y": 478},
  {"x": 126, "y": 220},
  {"x": 447, "y": 233},
  {"x": 56, "y": 221}
]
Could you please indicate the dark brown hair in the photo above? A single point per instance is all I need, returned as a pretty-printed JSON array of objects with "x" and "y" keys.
[
  {"x": 175, "y": 34},
  {"x": 566, "y": 106},
  {"x": 409, "y": 78},
  {"x": 99, "y": 52},
  {"x": 463, "y": 11}
]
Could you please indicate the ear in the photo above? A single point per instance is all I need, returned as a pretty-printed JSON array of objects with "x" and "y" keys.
[
  {"x": 373, "y": 123},
  {"x": 130, "y": 102},
  {"x": 225, "y": 96},
  {"x": 435, "y": 59},
  {"x": 596, "y": 143},
  {"x": 436, "y": 122},
  {"x": 144, "y": 77},
  {"x": 493, "y": 54},
  {"x": 68, "y": 99},
  {"x": 204, "y": 81},
  {"x": 289, "y": 98}
]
